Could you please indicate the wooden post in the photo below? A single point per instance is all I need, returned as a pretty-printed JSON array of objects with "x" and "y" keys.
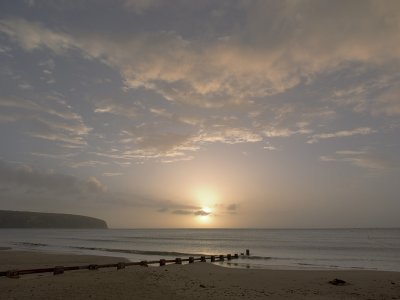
[
  {"x": 120, "y": 266},
  {"x": 203, "y": 259},
  {"x": 143, "y": 263},
  {"x": 247, "y": 252},
  {"x": 13, "y": 274},
  {"x": 58, "y": 270},
  {"x": 229, "y": 257},
  {"x": 212, "y": 258},
  {"x": 236, "y": 255},
  {"x": 191, "y": 259},
  {"x": 162, "y": 262},
  {"x": 93, "y": 267},
  {"x": 221, "y": 257},
  {"x": 178, "y": 261}
]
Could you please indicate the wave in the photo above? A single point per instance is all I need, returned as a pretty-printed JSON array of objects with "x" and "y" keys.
[
  {"x": 89, "y": 240},
  {"x": 142, "y": 252},
  {"x": 255, "y": 257},
  {"x": 31, "y": 244},
  {"x": 183, "y": 238}
]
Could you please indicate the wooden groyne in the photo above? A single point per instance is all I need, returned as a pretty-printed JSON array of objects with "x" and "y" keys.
[{"x": 121, "y": 265}]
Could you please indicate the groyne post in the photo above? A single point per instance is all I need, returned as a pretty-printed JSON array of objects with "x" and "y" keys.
[
  {"x": 203, "y": 259},
  {"x": 143, "y": 263},
  {"x": 247, "y": 252},
  {"x": 191, "y": 259},
  {"x": 58, "y": 270},
  {"x": 93, "y": 267},
  {"x": 212, "y": 258},
  {"x": 13, "y": 274},
  {"x": 178, "y": 261},
  {"x": 120, "y": 265},
  {"x": 162, "y": 262}
]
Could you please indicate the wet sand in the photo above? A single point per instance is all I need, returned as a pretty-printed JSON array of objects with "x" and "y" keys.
[{"x": 191, "y": 281}]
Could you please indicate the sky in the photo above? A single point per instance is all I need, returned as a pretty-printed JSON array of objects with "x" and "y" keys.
[{"x": 151, "y": 113}]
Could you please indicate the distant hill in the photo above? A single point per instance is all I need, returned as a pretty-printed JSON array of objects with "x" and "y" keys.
[{"x": 24, "y": 219}]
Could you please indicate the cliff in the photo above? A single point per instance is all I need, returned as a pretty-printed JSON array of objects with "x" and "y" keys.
[{"x": 24, "y": 219}]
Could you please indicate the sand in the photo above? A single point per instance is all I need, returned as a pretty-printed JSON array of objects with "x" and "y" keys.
[{"x": 191, "y": 281}]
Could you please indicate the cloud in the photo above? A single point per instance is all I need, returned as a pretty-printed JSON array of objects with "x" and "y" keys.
[
  {"x": 115, "y": 109},
  {"x": 270, "y": 53},
  {"x": 32, "y": 35},
  {"x": 19, "y": 103},
  {"x": 88, "y": 163},
  {"x": 155, "y": 145},
  {"x": 284, "y": 132},
  {"x": 62, "y": 110},
  {"x": 182, "y": 212},
  {"x": 361, "y": 159},
  {"x": 53, "y": 122},
  {"x": 47, "y": 64},
  {"x": 77, "y": 128},
  {"x": 201, "y": 213},
  {"x": 388, "y": 103},
  {"x": 220, "y": 209},
  {"x": 190, "y": 212},
  {"x": 376, "y": 96},
  {"x": 93, "y": 185},
  {"x": 177, "y": 208},
  {"x": 168, "y": 137},
  {"x": 232, "y": 207},
  {"x": 228, "y": 136},
  {"x": 26, "y": 176},
  {"x": 343, "y": 133},
  {"x": 268, "y": 49},
  {"x": 153, "y": 142},
  {"x": 270, "y": 148},
  {"x": 25, "y": 86},
  {"x": 57, "y": 156},
  {"x": 112, "y": 174}
]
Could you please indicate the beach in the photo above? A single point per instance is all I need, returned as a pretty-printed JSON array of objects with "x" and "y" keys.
[{"x": 190, "y": 281}]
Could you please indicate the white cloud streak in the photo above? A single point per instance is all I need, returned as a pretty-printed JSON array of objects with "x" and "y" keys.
[
  {"x": 112, "y": 174},
  {"x": 52, "y": 124},
  {"x": 361, "y": 159},
  {"x": 343, "y": 133}
]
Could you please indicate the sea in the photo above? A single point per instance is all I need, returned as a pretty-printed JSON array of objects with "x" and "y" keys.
[{"x": 292, "y": 249}]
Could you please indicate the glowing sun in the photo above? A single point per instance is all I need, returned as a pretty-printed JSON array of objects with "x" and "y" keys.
[
  {"x": 204, "y": 215},
  {"x": 206, "y": 199}
]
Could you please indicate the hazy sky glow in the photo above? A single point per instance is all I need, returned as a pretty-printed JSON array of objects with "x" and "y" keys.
[{"x": 152, "y": 113}]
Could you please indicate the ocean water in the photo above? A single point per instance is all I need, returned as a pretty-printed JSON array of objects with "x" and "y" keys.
[{"x": 371, "y": 249}]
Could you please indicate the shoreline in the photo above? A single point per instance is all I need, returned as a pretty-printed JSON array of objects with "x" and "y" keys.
[
  {"x": 189, "y": 281},
  {"x": 235, "y": 264},
  {"x": 289, "y": 250}
]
